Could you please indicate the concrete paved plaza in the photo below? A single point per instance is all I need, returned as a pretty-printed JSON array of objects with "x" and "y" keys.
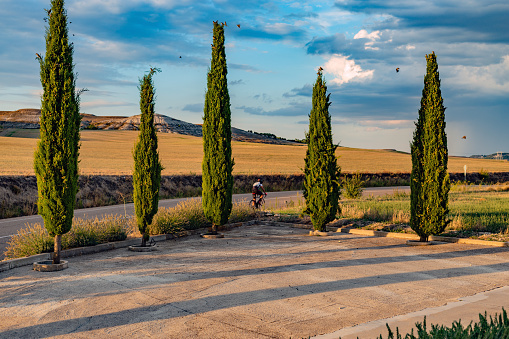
[{"x": 258, "y": 282}]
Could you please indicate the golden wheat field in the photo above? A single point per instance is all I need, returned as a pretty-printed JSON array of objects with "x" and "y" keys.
[{"x": 109, "y": 152}]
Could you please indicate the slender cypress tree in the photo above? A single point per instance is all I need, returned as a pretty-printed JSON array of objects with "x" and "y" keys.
[
  {"x": 56, "y": 157},
  {"x": 217, "y": 163},
  {"x": 321, "y": 182},
  {"x": 147, "y": 167},
  {"x": 429, "y": 180}
]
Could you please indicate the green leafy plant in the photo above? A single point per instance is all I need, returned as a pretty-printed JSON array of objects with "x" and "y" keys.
[
  {"x": 484, "y": 175},
  {"x": 495, "y": 327},
  {"x": 353, "y": 186}
]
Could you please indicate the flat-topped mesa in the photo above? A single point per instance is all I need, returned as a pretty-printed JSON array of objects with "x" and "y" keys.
[{"x": 28, "y": 118}]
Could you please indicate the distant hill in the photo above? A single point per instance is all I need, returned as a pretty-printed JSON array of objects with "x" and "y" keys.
[
  {"x": 28, "y": 118},
  {"x": 497, "y": 156}
]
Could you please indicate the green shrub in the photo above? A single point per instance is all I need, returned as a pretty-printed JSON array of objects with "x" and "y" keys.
[
  {"x": 189, "y": 215},
  {"x": 496, "y": 327},
  {"x": 484, "y": 175},
  {"x": 34, "y": 239},
  {"x": 353, "y": 186}
]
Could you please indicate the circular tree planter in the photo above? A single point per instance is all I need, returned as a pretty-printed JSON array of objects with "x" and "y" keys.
[
  {"x": 138, "y": 248},
  {"x": 49, "y": 266},
  {"x": 418, "y": 243},
  {"x": 319, "y": 233},
  {"x": 212, "y": 236}
]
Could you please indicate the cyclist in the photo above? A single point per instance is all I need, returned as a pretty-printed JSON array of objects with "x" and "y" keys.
[{"x": 258, "y": 189}]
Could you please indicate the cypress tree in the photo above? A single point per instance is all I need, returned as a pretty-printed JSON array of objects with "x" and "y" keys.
[
  {"x": 429, "y": 181},
  {"x": 217, "y": 163},
  {"x": 147, "y": 167},
  {"x": 56, "y": 156},
  {"x": 321, "y": 181}
]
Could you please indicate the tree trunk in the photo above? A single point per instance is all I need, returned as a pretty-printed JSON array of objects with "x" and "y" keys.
[
  {"x": 144, "y": 240},
  {"x": 214, "y": 229},
  {"x": 424, "y": 238},
  {"x": 58, "y": 248}
]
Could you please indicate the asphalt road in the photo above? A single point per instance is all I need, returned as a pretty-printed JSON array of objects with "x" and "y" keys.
[{"x": 10, "y": 226}]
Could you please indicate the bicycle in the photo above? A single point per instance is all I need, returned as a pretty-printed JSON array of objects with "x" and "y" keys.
[{"x": 255, "y": 204}]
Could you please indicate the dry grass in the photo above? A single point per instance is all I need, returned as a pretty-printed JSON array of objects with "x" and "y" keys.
[{"x": 109, "y": 152}]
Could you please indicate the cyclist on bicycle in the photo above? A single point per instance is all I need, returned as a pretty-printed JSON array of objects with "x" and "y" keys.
[{"x": 258, "y": 189}]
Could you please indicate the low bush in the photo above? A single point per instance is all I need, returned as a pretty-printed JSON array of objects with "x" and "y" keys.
[
  {"x": 34, "y": 239},
  {"x": 494, "y": 327},
  {"x": 353, "y": 186},
  {"x": 188, "y": 215}
]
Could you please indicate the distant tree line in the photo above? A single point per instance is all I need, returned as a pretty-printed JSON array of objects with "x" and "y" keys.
[{"x": 275, "y": 137}]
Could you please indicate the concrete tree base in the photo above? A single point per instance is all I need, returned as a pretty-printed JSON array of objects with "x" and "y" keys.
[
  {"x": 212, "y": 236},
  {"x": 319, "y": 233},
  {"x": 418, "y": 243},
  {"x": 138, "y": 248},
  {"x": 49, "y": 266}
]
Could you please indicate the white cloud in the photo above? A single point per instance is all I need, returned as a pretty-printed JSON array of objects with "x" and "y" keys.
[
  {"x": 109, "y": 48},
  {"x": 491, "y": 78},
  {"x": 372, "y": 37},
  {"x": 345, "y": 70},
  {"x": 363, "y": 34},
  {"x": 408, "y": 47}
]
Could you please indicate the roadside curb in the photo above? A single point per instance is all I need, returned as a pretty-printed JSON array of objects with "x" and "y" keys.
[
  {"x": 74, "y": 252},
  {"x": 432, "y": 237},
  {"x": 286, "y": 224}
]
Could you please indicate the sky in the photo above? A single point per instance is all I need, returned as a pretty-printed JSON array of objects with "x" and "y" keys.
[{"x": 272, "y": 61}]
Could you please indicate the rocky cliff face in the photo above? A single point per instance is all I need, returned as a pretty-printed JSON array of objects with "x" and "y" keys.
[{"x": 29, "y": 119}]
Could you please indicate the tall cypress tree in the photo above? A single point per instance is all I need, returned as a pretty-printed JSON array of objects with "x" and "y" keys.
[
  {"x": 217, "y": 163},
  {"x": 321, "y": 182},
  {"x": 147, "y": 167},
  {"x": 56, "y": 157},
  {"x": 429, "y": 181}
]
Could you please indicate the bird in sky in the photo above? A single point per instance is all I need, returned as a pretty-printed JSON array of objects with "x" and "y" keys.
[
  {"x": 180, "y": 57},
  {"x": 238, "y": 25},
  {"x": 320, "y": 69},
  {"x": 397, "y": 70},
  {"x": 38, "y": 56},
  {"x": 464, "y": 137}
]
